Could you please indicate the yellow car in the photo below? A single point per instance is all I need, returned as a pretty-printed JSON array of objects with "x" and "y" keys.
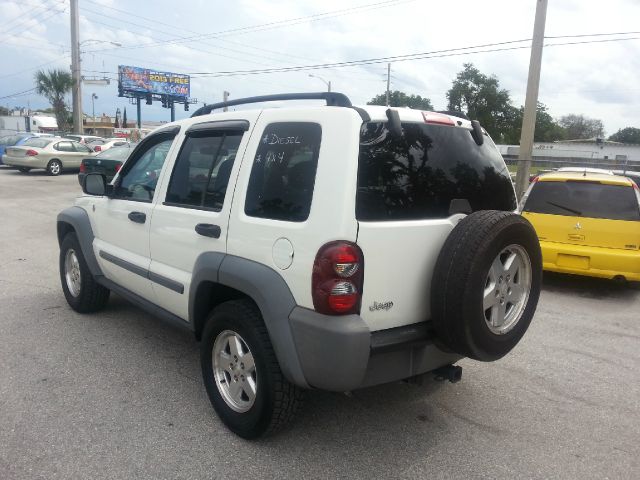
[{"x": 587, "y": 223}]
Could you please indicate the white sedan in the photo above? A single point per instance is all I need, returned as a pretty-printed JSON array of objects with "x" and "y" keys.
[
  {"x": 52, "y": 154},
  {"x": 103, "y": 144}
]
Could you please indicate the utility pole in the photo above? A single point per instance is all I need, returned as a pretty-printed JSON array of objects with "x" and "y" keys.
[
  {"x": 388, "y": 81},
  {"x": 225, "y": 98},
  {"x": 531, "y": 101},
  {"x": 76, "y": 89},
  {"x": 139, "y": 112}
]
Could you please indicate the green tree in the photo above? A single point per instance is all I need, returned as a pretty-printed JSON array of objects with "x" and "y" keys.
[
  {"x": 54, "y": 85},
  {"x": 401, "y": 99},
  {"x": 626, "y": 135},
  {"x": 547, "y": 129},
  {"x": 481, "y": 98},
  {"x": 579, "y": 126}
]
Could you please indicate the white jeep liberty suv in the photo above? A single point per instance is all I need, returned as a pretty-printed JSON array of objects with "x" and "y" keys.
[{"x": 330, "y": 247}]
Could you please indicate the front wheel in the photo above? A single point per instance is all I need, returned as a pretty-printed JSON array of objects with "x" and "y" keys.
[
  {"x": 54, "y": 168},
  {"x": 82, "y": 292},
  {"x": 241, "y": 373}
]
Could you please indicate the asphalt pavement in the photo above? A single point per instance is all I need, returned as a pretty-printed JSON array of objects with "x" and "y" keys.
[{"x": 118, "y": 394}]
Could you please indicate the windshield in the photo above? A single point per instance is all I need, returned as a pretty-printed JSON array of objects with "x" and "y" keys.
[
  {"x": 116, "y": 153},
  {"x": 38, "y": 142},
  {"x": 417, "y": 175},
  {"x": 584, "y": 199}
]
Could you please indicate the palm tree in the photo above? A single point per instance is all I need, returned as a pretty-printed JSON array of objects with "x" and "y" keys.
[{"x": 55, "y": 85}]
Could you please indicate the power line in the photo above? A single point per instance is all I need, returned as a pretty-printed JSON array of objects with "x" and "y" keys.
[
  {"x": 403, "y": 58},
  {"x": 19, "y": 94},
  {"x": 275, "y": 24},
  {"x": 158, "y": 22},
  {"x": 209, "y": 52},
  {"x": 42, "y": 19}
]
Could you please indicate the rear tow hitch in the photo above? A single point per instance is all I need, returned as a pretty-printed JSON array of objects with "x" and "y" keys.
[{"x": 453, "y": 373}]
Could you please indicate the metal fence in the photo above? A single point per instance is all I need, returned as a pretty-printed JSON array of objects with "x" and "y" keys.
[{"x": 537, "y": 164}]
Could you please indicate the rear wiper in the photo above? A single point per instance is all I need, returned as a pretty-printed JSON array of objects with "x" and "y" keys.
[{"x": 577, "y": 212}]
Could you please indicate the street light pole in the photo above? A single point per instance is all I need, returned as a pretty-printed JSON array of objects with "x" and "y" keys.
[
  {"x": 93, "y": 110},
  {"x": 327, "y": 83},
  {"x": 76, "y": 89}
]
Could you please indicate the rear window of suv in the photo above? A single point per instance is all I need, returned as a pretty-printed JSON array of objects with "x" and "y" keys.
[
  {"x": 416, "y": 176},
  {"x": 584, "y": 199}
]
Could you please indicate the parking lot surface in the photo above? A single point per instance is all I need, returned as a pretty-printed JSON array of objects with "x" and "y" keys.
[{"x": 119, "y": 395}]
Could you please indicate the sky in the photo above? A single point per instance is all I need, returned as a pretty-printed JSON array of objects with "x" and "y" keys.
[{"x": 205, "y": 37}]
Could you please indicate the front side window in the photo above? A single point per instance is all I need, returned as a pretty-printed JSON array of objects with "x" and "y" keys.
[
  {"x": 583, "y": 199},
  {"x": 284, "y": 171},
  {"x": 140, "y": 180},
  {"x": 202, "y": 170},
  {"x": 417, "y": 175}
]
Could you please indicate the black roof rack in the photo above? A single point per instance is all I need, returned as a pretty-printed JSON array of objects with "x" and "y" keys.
[{"x": 333, "y": 99}]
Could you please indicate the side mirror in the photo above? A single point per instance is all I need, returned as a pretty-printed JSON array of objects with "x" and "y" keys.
[{"x": 94, "y": 184}]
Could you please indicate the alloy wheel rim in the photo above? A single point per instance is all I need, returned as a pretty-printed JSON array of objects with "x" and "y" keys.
[
  {"x": 507, "y": 289},
  {"x": 55, "y": 168},
  {"x": 234, "y": 371},
  {"x": 72, "y": 272}
]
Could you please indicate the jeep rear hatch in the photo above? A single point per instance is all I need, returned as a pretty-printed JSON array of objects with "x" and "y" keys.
[{"x": 410, "y": 190}]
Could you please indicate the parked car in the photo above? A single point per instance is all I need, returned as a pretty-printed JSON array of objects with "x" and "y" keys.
[
  {"x": 328, "y": 247},
  {"x": 105, "y": 144},
  {"x": 633, "y": 175},
  {"x": 107, "y": 163},
  {"x": 85, "y": 139},
  {"x": 51, "y": 153},
  {"x": 17, "y": 140},
  {"x": 587, "y": 223}
]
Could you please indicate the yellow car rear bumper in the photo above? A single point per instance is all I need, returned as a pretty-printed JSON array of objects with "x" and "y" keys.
[{"x": 591, "y": 261}]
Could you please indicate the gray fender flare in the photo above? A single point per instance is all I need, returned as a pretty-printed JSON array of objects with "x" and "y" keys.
[
  {"x": 78, "y": 218},
  {"x": 268, "y": 290}
]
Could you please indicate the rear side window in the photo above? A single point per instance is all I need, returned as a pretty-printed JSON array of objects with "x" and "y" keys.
[
  {"x": 201, "y": 173},
  {"x": 284, "y": 171},
  {"x": 416, "y": 176},
  {"x": 584, "y": 199},
  {"x": 37, "y": 142}
]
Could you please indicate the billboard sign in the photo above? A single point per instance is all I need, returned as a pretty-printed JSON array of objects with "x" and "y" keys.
[{"x": 145, "y": 80}]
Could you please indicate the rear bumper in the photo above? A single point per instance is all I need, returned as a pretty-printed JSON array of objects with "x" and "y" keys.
[
  {"x": 23, "y": 162},
  {"x": 341, "y": 353},
  {"x": 591, "y": 261}
]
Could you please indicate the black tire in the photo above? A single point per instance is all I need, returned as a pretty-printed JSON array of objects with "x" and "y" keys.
[
  {"x": 54, "y": 167},
  {"x": 24, "y": 169},
  {"x": 461, "y": 276},
  {"x": 276, "y": 400},
  {"x": 92, "y": 296}
]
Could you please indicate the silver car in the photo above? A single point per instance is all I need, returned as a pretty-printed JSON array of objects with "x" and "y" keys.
[{"x": 52, "y": 154}]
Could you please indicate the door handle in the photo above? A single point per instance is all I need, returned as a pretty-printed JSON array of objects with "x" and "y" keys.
[
  {"x": 208, "y": 230},
  {"x": 137, "y": 217}
]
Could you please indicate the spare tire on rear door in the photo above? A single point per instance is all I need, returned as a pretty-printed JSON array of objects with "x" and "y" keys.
[{"x": 486, "y": 284}]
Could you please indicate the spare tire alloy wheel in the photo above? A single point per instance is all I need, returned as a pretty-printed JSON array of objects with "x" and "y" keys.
[
  {"x": 54, "y": 167},
  {"x": 507, "y": 289},
  {"x": 486, "y": 285},
  {"x": 235, "y": 371}
]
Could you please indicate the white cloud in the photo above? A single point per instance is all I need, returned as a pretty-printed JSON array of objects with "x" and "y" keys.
[{"x": 598, "y": 80}]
